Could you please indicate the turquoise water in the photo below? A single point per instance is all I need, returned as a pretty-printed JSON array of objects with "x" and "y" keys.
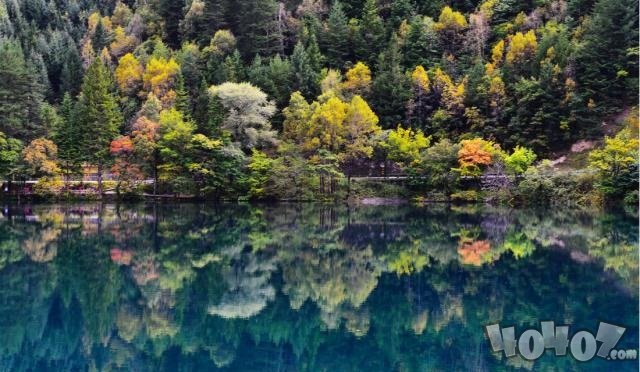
[{"x": 297, "y": 287}]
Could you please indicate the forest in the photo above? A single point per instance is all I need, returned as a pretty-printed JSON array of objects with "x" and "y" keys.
[{"x": 527, "y": 102}]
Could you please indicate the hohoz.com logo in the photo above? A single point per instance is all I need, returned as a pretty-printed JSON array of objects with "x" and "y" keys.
[{"x": 582, "y": 345}]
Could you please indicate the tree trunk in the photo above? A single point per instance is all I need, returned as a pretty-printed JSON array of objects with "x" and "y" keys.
[
  {"x": 100, "y": 178},
  {"x": 155, "y": 172}
]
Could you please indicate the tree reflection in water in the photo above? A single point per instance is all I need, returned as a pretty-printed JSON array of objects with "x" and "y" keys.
[{"x": 302, "y": 287}]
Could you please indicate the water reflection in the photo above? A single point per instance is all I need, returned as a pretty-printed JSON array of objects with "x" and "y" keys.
[{"x": 302, "y": 287}]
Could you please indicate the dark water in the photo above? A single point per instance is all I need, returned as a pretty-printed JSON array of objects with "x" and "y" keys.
[{"x": 304, "y": 288}]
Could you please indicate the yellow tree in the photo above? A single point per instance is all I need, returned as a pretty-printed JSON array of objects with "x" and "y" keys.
[
  {"x": 41, "y": 157},
  {"x": 617, "y": 162},
  {"x": 451, "y": 26},
  {"x": 129, "y": 74},
  {"x": 327, "y": 126},
  {"x": 404, "y": 145},
  {"x": 361, "y": 123},
  {"x": 358, "y": 80},
  {"x": 344, "y": 129},
  {"x": 122, "y": 43},
  {"x": 522, "y": 47},
  {"x": 159, "y": 78},
  {"x": 297, "y": 117},
  {"x": 420, "y": 78}
]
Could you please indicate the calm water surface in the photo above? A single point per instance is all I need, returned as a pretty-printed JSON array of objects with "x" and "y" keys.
[{"x": 294, "y": 287}]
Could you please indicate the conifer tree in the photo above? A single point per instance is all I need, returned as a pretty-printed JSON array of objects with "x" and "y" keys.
[
  {"x": 259, "y": 31},
  {"x": 390, "y": 86},
  {"x": 337, "y": 36},
  {"x": 20, "y": 94},
  {"x": 68, "y": 138},
  {"x": 305, "y": 77},
  {"x": 371, "y": 30},
  {"x": 99, "y": 116}
]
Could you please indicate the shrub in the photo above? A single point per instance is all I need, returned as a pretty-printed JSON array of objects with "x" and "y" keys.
[
  {"x": 48, "y": 187},
  {"x": 465, "y": 196}
]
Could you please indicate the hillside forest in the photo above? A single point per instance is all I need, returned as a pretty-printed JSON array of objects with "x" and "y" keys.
[{"x": 321, "y": 99}]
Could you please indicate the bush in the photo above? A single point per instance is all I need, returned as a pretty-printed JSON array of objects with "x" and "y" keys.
[
  {"x": 543, "y": 185},
  {"x": 467, "y": 196},
  {"x": 48, "y": 187}
]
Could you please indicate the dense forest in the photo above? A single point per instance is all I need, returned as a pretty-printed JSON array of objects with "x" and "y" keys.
[{"x": 260, "y": 99}]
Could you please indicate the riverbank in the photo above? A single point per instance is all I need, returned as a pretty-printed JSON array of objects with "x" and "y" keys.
[{"x": 560, "y": 188}]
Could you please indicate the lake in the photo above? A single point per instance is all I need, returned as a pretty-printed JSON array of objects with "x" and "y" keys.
[{"x": 303, "y": 287}]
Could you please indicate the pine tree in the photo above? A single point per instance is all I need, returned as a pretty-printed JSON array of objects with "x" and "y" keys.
[
  {"x": 232, "y": 68},
  {"x": 305, "y": 77},
  {"x": 337, "y": 37},
  {"x": 100, "y": 38},
  {"x": 208, "y": 113},
  {"x": 67, "y": 137},
  {"x": 606, "y": 69},
  {"x": 20, "y": 95},
  {"x": 371, "y": 32},
  {"x": 201, "y": 106},
  {"x": 422, "y": 46},
  {"x": 259, "y": 31},
  {"x": 171, "y": 12},
  {"x": 316, "y": 59},
  {"x": 99, "y": 116},
  {"x": 182, "y": 102},
  {"x": 400, "y": 10},
  {"x": 215, "y": 16},
  {"x": 71, "y": 75},
  {"x": 390, "y": 86}
]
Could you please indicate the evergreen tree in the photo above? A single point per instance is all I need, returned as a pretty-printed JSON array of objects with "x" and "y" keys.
[
  {"x": 337, "y": 37},
  {"x": 100, "y": 38},
  {"x": 305, "y": 77},
  {"x": 208, "y": 113},
  {"x": 68, "y": 138},
  {"x": 183, "y": 101},
  {"x": 99, "y": 116},
  {"x": 607, "y": 68},
  {"x": 215, "y": 16},
  {"x": 259, "y": 29},
  {"x": 391, "y": 89},
  {"x": 232, "y": 69},
  {"x": 316, "y": 59},
  {"x": 422, "y": 45},
  {"x": 71, "y": 75},
  {"x": 371, "y": 32},
  {"x": 401, "y": 10},
  {"x": 171, "y": 12},
  {"x": 20, "y": 95}
]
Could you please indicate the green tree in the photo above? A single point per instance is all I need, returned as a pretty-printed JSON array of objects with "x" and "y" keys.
[
  {"x": 519, "y": 160},
  {"x": 171, "y": 12},
  {"x": 336, "y": 39},
  {"x": 436, "y": 163},
  {"x": 617, "y": 164},
  {"x": 304, "y": 76},
  {"x": 20, "y": 94},
  {"x": 260, "y": 32},
  {"x": 607, "y": 69},
  {"x": 259, "y": 168},
  {"x": 68, "y": 137},
  {"x": 422, "y": 44},
  {"x": 391, "y": 89},
  {"x": 99, "y": 116},
  {"x": 372, "y": 32},
  {"x": 10, "y": 154}
]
